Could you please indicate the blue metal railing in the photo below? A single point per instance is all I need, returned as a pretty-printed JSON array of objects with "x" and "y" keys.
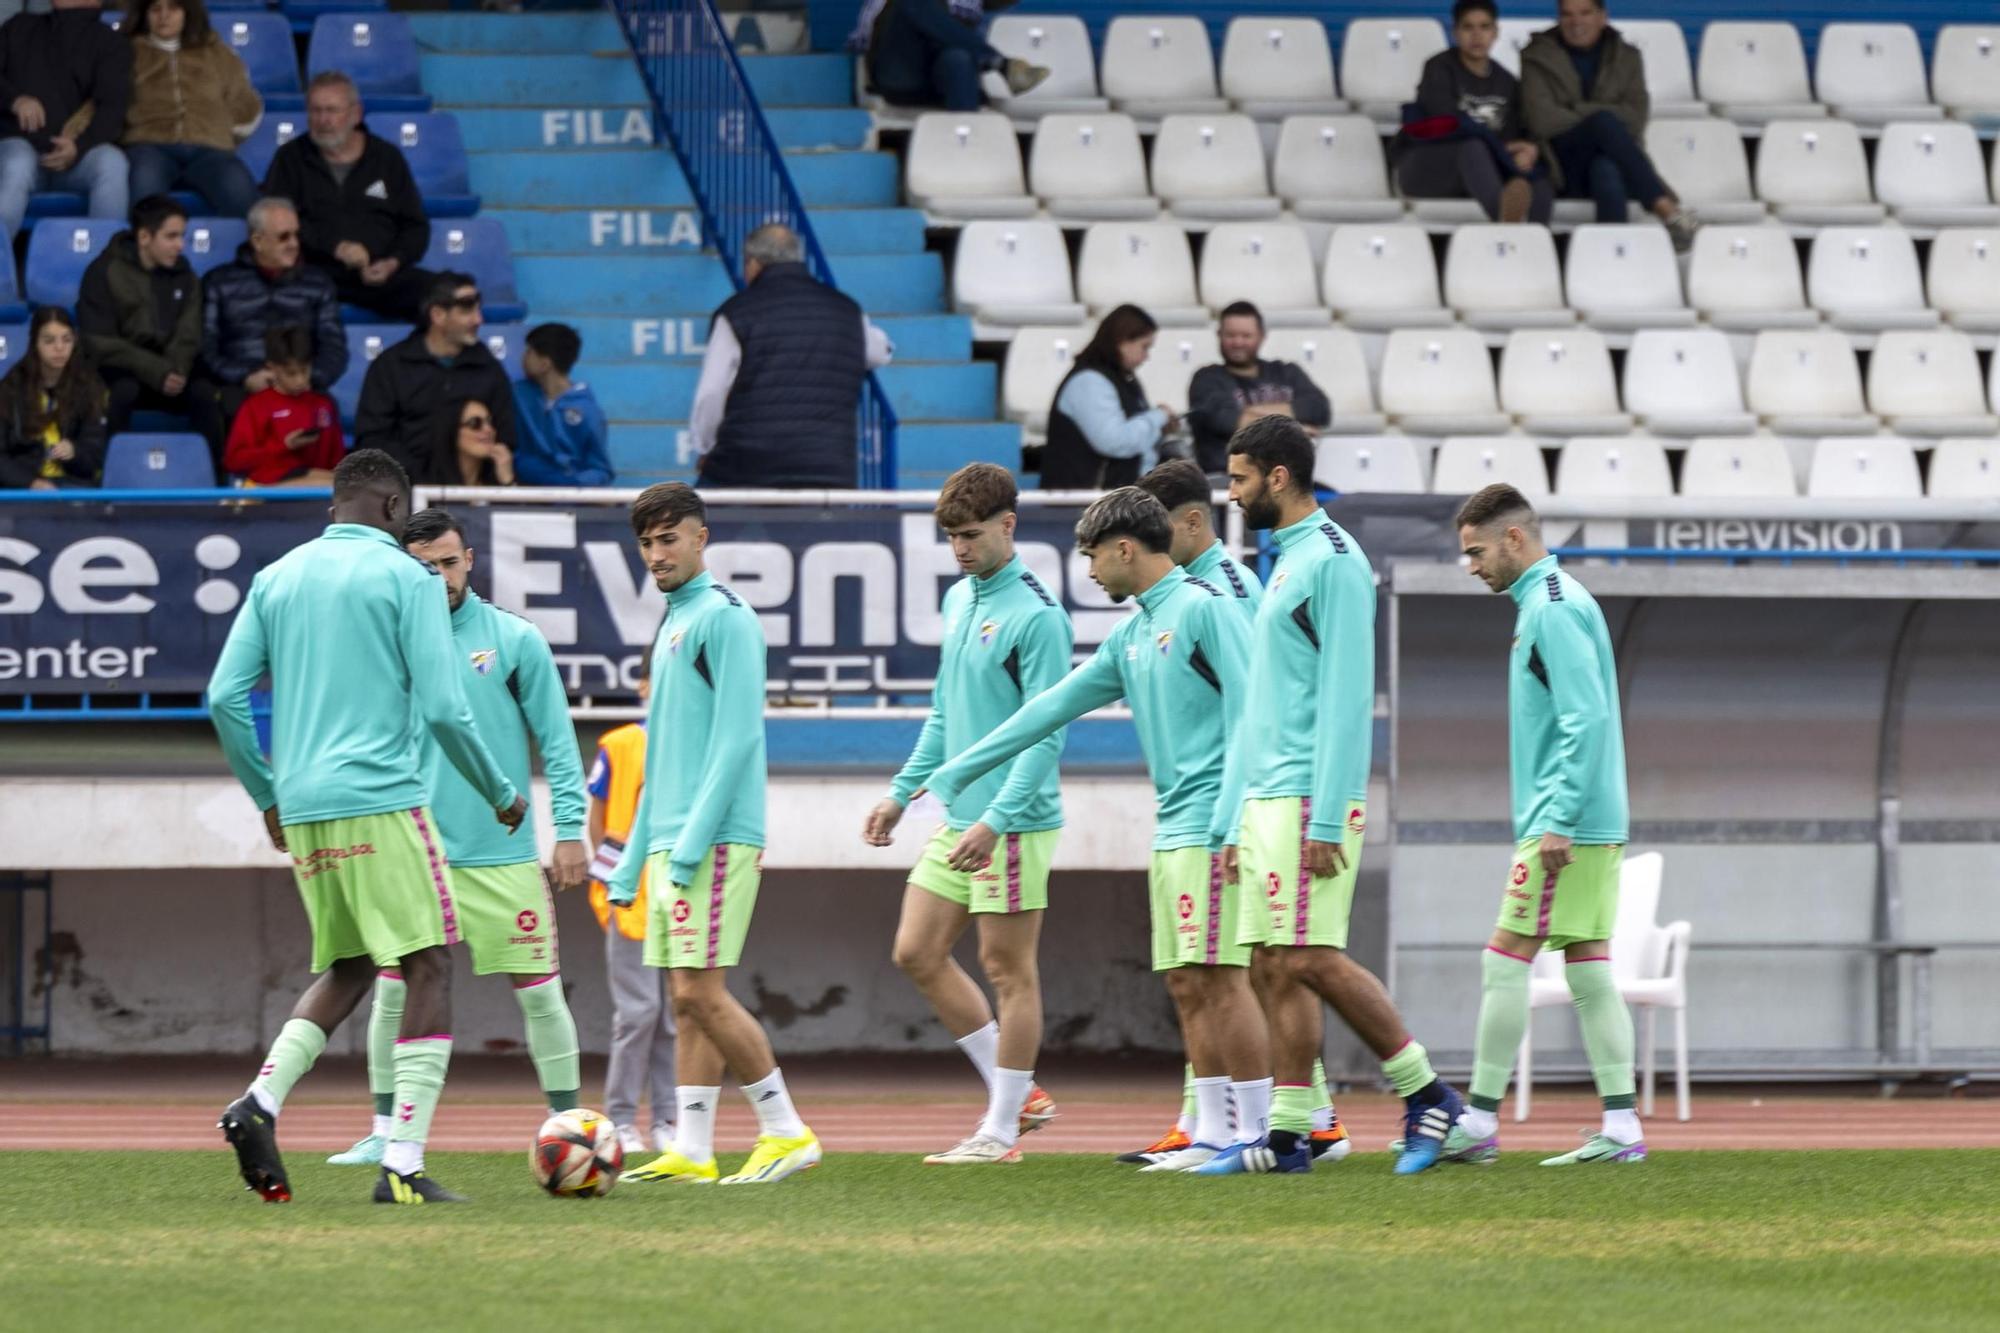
[{"x": 705, "y": 110}]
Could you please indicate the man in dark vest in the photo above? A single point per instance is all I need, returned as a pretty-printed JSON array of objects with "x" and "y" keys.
[{"x": 781, "y": 380}]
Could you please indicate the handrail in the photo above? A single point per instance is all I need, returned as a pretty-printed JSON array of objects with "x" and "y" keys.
[{"x": 704, "y": 108}]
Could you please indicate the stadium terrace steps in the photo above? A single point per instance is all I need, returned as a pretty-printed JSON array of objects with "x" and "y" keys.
[
  {"x": 563, "y": 129},
  {"x": 554, "y": 78},
  {"x": 653, "y": 231},
  {"x": 649, "y": 178},
  {"x": 650, "y": 451},
  {"x": 683, "y": 284}
]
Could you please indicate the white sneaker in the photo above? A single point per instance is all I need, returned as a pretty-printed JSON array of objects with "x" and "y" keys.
[
  {"x": 663, "y": 1136},
  {"x": 979, "y": 1150},
  {"x": 1187, "y": 1159},
  {"x": 631, "y": 1140}
]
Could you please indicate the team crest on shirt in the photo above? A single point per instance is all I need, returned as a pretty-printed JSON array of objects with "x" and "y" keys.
[
  {"x": 986, "y": 632},
  {"x": 482, "y": 660},
  {"x": 674, "y": 640},
  {"x": 1279, "y": 581},
  {"x": 1164, "y": 641}
]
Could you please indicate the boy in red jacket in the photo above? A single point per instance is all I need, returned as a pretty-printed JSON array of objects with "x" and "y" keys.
[{"x": 286, "y": 435}]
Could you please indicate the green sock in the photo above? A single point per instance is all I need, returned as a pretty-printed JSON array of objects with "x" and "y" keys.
[
  {"x": 420, "y": 1066},
  {"x": 385, "y": 1020},
  {"x": 1322, "y": 1097},
  {"x": 1292, "y": 1108},
  {"x": 1409, "y": 1069},
  {"x": 1607, "y": 1030},
  {"x": 298, "y": 1045},
  {"x": 551, "y": 1040},
  {"x": 1188, "y": 1113},
  {"x": 1503, "y": 1021}
]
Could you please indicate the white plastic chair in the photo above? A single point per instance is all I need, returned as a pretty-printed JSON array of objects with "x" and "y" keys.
[
  {"x": 1501, "y": 275},
  {"x": 1515, "y": 34},
  {"x": 1704, "y": 159},
  {"x": 1278, "y": 67},
  {"x": 1153, "y": 65},
  {"x": 1375, "y": 465},
  {"x": 1684, "y": 382},
  {"x": 1866, "y": 279},
  {"x": 1625, "y": 277},
  {"x": 1381, "y": 61},
  {"x": 1926, "y": 383},
  {"x": 1617, "y": 465},
  {"x": 1669, "y": 73},
  {"x": 1934, "y": 175},
  {"x": 1965, "y": 469},
  {"x": 1879, "y": 468},
  {"x": 1211, "y": 169},
  {"x": 1965, "y": 70},
  {"x": 1007, "y": 274},
  {"x": 1755, "y": 72},
  {"x": 1177, "y": 354},
  {"x": 1807, "y": 382},
  {"x": 1754, "y": 467},
  {"x": 1037, "y": 361},
  {"x": 966, "y": 164},
  {"x": 1090, "y": 168},
  {"x": 1332, "y": 169},
  {"x": 1873, "y": 73},
  {"x": 1382, "y": 277},
  {"x": 1963, "y": 278},
  {"x": 1748, "y": 278},
  {"x": 1268, "y": 264},
  {"x": 1813, "y": 173},
  {"x": 1560, "y": 382},
  {"x": 1440, "y": 382},
  {"x": 1057, "y": 42},
  {"x": 1334, "y": 360},
  {"x": 1467, "y": 464},
  {"x": 1146, "y": 263}
]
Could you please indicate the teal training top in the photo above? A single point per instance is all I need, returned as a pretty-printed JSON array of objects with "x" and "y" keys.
[
  {"x": 1310, "y": 728},
  {"x": 705, "y": 759},
  {"x": 1236, "y": 581},
  {"x": 356, "y": 637},
  {"x": 1006, "y": 639},
  {"x": 514, "y": 688},
  {"x": 1566, "y": 744},
  {"x": 1182, "y": 662}
]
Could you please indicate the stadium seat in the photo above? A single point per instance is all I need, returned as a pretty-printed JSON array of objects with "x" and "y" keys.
[
  {"x": 1332, "y": 169},
  {"x": 1382, "y": 277},
  {"x": 1503, "y": 276},
  {"x": 1278, "y": 67},
  {"x": 1621, "y": 466},
  {"x": 431, "y": 144},
  {"x": 1465, "y": 464},
  {"x": 1926, "y": 383},
  {"x": 1963, "y": 278},
  {"x": 1090, "y": 168},
  {"x": 1559, "y": 382},
  {"x": 1965, "y": 70},
  {"x": 1382, "y": 463},
  {"x": 1146, "y": 263},
  {"x": 1669, "y": 74},
  {"x": 1007, "y": 274},
  {"x": 1806, "y": 382},
  {"x": 1813, "y": 173},
  {"x": 13, "y": 345},
  {"x": 1157, "y": 66},
  {"x": 12, "y": 307},
  {"x": 1880, "y": 468},
  {"x": 1059, "y": 43},
  {"x": 1865, "y": 279},
  {"x": 1963, "y": 470},
  {"x": 1211, "y": 169},
  {"x": 59, "y": 250},
  {"x": 212, "y": 242},
  {"x": 1755, "y": 72},
  {"x": 1624, "y": 277},
  {"x": 1748, "y": 278},
  {"x": 1515, "y": 34},
  {"x": 478, "y": 246},
  {"x": 1748, "y": 467},
  {"x": 365, "y": 342},
  {"x": 263, "y": 42},
  {"x": 377, "y": 51},
  {"x": 1933, "y": 175},
  {"x": 1334, "y": 360},
  {"x": 274, "y": 131},
  {"x": 1177, "y": 354},
  {"x": 1037, "y": 360},
  {"x": 158, "y": 462},
  {"x": 1440, "y": 382},
  {"x": 1873, "y": 73},
  {"x": 506, "y": 342},
  {"x": 1684, "y": 382},
  {"x": 966, "y": 164},
  {"x": 1705, "y": 161},
  {"x": 1381, "y": 61},
  {"x": 1267, "y": 263}
]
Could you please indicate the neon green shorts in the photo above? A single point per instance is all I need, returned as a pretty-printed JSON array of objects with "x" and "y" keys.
[
  {"x": 702, "y": 925},
  {"x": 1194, "y": 912},
  {"x": 1016, "y": 880},
  {"x": 508, "y": 918},
  {"x": 1294, "y": 909},
  {"x": 1577, "y": 903},
  {"x": 373, "y": 885}
]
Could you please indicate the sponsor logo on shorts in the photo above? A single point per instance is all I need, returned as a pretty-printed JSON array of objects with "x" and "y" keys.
[
  {"x": 986, "y": 632},
  {"x": 526, "y": 921},
  {"x": 1357, "y": 821},
  {"x": 1186, "y": 905},
  {"x": 1164, "y": 641},
  {"x": 326, "y": 858},
  {"x": 1273, "y": 886},
  {"x": 482, "y": 660},
  {"x": 681, "y": 910},
  {"x": 1520, "y": 872},
  {"x": 1520, "y": 896}
]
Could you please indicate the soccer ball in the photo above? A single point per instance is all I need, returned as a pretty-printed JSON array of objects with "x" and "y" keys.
[{"x": 576, "y": 1155}]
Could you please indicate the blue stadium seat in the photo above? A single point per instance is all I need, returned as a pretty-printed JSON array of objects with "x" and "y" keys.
[
  {"x": 212, "y": 242},
  {"x": 263, "y": 42},
  {"x": 13, "y": 345},
  {"x": 254, "y": 6},
  {"x": 436, "y": 153},
  {"x": 59, "y": 250},
  {"x": 365, "y": 342},
  {"x": 157, "y": 462},
  {"x": 377, "y": 51},
  {"x": 506, "y": 342},
  {"x": 305, "y": 13},
  {"x": 478, "y": 246},
  {"x": 276, "y": 128},
  {"x": 56, "y": 204},
  {"x": 12, "y": 307}
]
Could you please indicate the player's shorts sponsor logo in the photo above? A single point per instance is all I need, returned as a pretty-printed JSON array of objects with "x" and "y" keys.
[
  {"x": 324, "y": 859},
  {"x": 482, "y": 660},
  {"x": 1520, "y": 872},
  {"x": 1273, "y": 886},
  {"x": 527, "y": 921},
  {"x": 682, "y": 910},
  {"x": 1357, "y": 821},
  {"x": 674, "y": 640},
  {"x": 1520, "y": 895},
  {"x": 1164, "y": 641},
  {"x": 987, "y": 630},
  {"x": 1185, "y": 903}
]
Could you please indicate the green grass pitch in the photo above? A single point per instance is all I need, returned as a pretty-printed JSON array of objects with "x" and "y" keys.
[{"x": 1710, "y": 1240}]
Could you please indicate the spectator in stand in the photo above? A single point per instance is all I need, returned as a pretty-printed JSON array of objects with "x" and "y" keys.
[
  {"x": 781, "y": 379},
  {"x": 1583, "y": 95},
  {"x": 1464, "y": 136},
  {"x": 931, "y": 53},
  {"x": 1101, "y": 433},
  {"x": 192, "y": 104},
  {"x": 140, "y": 313},
  {"x": 286, "y": 435},
  {"x": 562, "y": 428},
  {"x": 52, "y": 434},
  {"x": 65, "y": 80},
  {"x": 1223, "y": 399},
  {"x": 266, "y": 287},
  {"x": 465, "y": 449},
  {"x": 362, "y": 218},
  {"x": 409, "y": 383}
]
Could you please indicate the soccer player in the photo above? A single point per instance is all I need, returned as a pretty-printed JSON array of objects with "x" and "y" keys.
[
  {"x": 1306, "y": 751},
  {"x": 1566, "y": 758},
  {"x": 1182, "y": 662},
  {"x": 505, "y": 912},
  {"x": 699, "y": 839},
  {"x": 1006, "y": 639},
  {"x": 356, "y": 639}
]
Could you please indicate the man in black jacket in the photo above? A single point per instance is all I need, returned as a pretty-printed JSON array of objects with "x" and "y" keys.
[
  {"x": 442, "y": 362},
  {"x": 51, "y": 65},
  {"x": 266, "y": 288},
  {"x": 140, "y": 315},
  {"x": 363, "y": 217},
  {"x": 1223, "y": 399}
]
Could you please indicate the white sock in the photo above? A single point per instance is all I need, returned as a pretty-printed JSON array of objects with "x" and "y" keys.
[
  {"x": 1253, "y": 1109},
  {"x": 383, "y": 1124},
  {"x": 262, "y": 1096},
  {"x": 1481, "y": 1124},
  {"x": 776, "y": 1116},
  {"x": 1003, "y": 1108},
  {"x": 1622, "y": 1126},
  {"x": 403, "y": 1156},
  {"x": 1187, "y": 1124},
  {"x": 694, "y": 1134},
  {"x": 1211, "y": 1113},
  {"x": 983, "y": 1049}
]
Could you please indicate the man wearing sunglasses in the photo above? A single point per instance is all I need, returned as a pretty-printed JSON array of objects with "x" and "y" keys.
[
  {"x": 268, "y": 287},
  {"x": 443, "y": 362}
]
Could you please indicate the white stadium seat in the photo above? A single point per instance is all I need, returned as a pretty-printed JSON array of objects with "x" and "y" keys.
[
  {"x": 1755, "y": 72},
  {"x": 1806, "y": 382},
  {"x": 1750, "y": 467},
  {"x": 1934, "y": 175},
  {"x": 1964, "y": 469},
  {"x": 1624, "y": 277},
  {"x": 1269, "y": 264},
  {"x": 1332, "y": 169},
  {"x": 1037, "y": 360},
  {"x": 1965, "y": 70},
  {"x": 1515, "y": 34},
  {"x": 1059, "y": 43},
  {"x": 1873, "y": 73},
  {"x": 1963, "y": 278},
  {"x": 1464, "y": 465},
  {"x": 1618, "y": 466},
  {"x": 1748, "y": 278},
  {"x": 1684, "y": 382},
  {"x": 1504, "y": 275},
  {"x": 1440, "y": 382},
  {"x": 1705, "y": 163},
  {"x": 1560, "y": 382},
  {"x": 1154, "y": 66},
  {"x": 1177, "y": 355},
  {"x": 1334, "y": 360},
  {"x": 1381, "y": 61},
  {"x": 967, "y": 164},
  {"x": 1211, "y": 169},
  {"x": 1278, "y": 67},
  {"x": 1383, "y": 463},
  {"x": 1879, "y": 468},
  {"x": 1813, "y": 173},
  {"x": 1146, "y": 263},
  {"x": 1865, "y": 279},
  {"x": 1669, "y": 74},
  {"x": 1006, "y": 274},
  {"x": 1926, "y": 383},
  {"x": 1382, "y": 277},
  {"x": 1090, "y": 168}
]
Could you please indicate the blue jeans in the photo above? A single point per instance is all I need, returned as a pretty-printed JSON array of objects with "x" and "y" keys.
[
  {"x": 215, "y": 175},
  {"x": 1601, "y": 161},
  {"x": 922, "y": 56},
  {"x": 99, "y": 174}
]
